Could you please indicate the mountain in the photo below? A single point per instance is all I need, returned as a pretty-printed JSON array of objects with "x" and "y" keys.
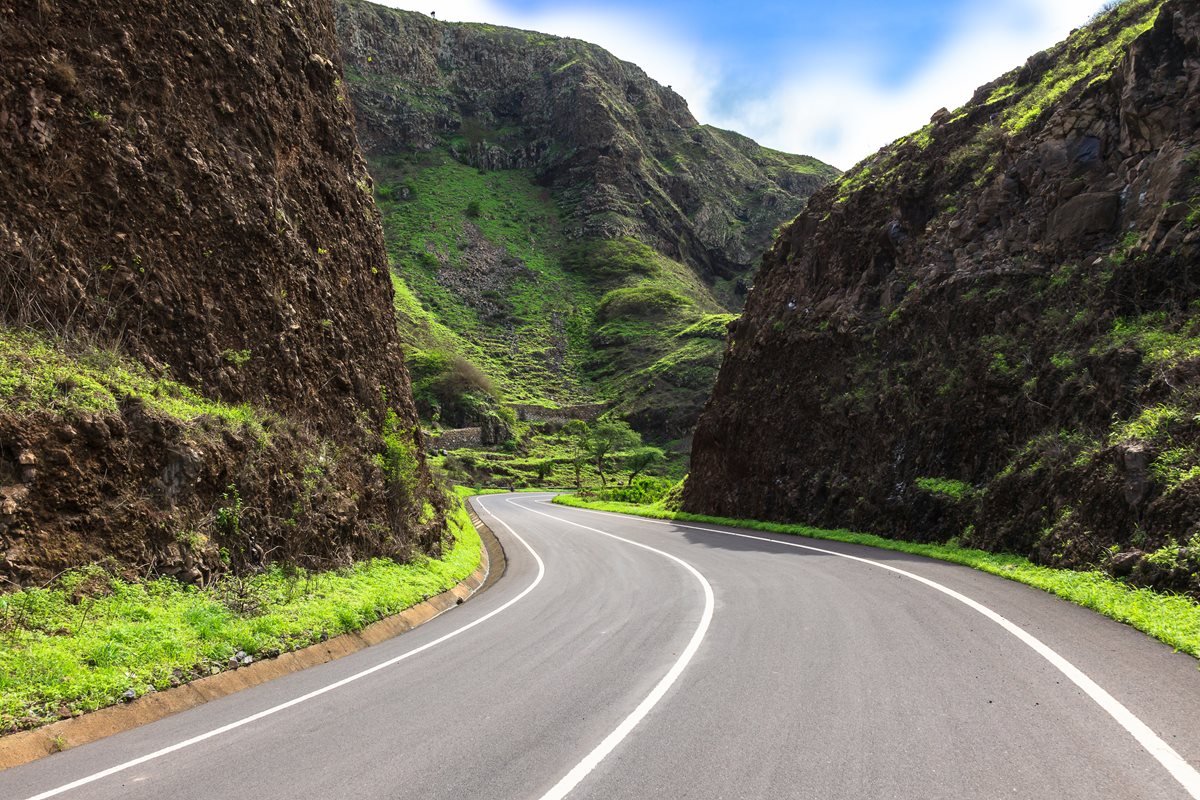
[
  {"x": 556, "y": 219},
  {"x": 988, "y": 330},
  {"x": 199, "y": 364}
]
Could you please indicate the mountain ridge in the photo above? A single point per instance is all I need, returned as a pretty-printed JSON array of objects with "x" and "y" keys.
[{"x": 591, "y": 179}]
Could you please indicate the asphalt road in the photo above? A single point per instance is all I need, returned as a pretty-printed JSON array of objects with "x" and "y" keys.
[{"x": 624, "y": 658}]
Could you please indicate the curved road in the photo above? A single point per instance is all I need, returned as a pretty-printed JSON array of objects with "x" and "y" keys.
[{"x": 627, "y": 658}]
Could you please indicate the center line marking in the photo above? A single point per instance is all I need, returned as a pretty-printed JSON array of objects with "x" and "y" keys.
[
  {"x": 1180, "y": 769},
  {"x": 609, "y": 743}
]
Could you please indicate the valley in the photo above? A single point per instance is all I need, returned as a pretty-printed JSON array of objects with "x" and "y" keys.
[
  {"x": 391, "y": 404},
  {"x": 562, "y": 231}
]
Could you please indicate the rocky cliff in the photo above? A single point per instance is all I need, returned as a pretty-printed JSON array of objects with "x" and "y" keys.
[
  {"x": 527, "y": 176},
  {"x": 186, "y": 216},
  {"x": 988, "y": 330}
]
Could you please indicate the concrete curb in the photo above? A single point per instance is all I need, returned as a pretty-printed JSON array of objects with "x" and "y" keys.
[{"x": 25, "y": 746}]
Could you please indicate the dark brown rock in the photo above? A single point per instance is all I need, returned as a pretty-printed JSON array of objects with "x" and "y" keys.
[
  {"x": 1036, "y": 350},
  {"x": 182, "y": 182},
  {"x": 1084, "y": 214}
]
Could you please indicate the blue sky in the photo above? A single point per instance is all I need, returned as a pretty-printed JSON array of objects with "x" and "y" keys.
[{"x": 836, "y": 79}]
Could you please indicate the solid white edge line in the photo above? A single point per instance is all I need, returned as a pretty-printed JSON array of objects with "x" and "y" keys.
[
  {"x": 1183, "y": 772},
  {"x": 316, "y": 692},
  {"x": 610, "y": 742}
]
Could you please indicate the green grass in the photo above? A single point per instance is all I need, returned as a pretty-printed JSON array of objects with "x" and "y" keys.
[
  {"x": 1161, "y": 343},
  {"x": 1091, "y": 54},
  {"x": 945, "y": 487},
  {"x": 546, "y": 310},
  {"x": 1172, "y": 619},
  {"x": 39, "y": 375},
  {"x": 559, "y": 321},
  {"x": 89, "y": 638}
]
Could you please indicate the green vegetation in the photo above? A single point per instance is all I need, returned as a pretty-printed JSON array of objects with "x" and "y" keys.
[
  {"x": 38, "y": 374},
  {"x": 91, "y": 639},
  {"x": 1173, "y": 619},
  {"x": 608, "y": 438},
  {"x": 399, "y": 460},
  {"x": 525, "y": 324},
  {"x": 556, "y": 455},
  {"x": 1162, "y": 344},
  {"x": 1090, "y": 55},
  {"x": 644, "y": 302},
  {"x": 496, "y": 305},
  {"x": 945, "y": 487}
]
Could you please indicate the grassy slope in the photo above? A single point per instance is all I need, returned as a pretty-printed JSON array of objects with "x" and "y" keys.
[
  {"x": 427, "y": 231},
  {"x": 572, "y": 321},
  {"x": 37, "y": 374},
  {"x": 90, "y": 640},
  {"x": 1173, "y": 619}
]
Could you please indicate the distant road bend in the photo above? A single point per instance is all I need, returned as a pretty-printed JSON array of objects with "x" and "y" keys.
[{"x": 630, "y": 658}]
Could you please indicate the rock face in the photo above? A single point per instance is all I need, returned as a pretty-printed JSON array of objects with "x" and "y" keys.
[
  {"x": 182, "y": 181},
  {"x": 626, "y": 154},
  {"x": 988, "y": 329}
]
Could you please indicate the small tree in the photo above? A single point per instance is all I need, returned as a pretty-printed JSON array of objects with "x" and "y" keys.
[
  {"x": 579, "y": 440},
  {"x": 611, "y": 437},
  {"x": 640, "y": 459}
]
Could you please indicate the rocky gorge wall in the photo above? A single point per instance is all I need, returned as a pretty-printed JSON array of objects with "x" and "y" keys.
[
  {"x": 183, "y": 188},
  {"x": 988, "y": 330}
]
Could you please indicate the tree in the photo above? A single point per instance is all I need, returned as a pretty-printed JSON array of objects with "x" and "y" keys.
[
  {"x": 579, "y": 440},
  {"x": 641, "y": 458},
  {"x": 611, "y": 437}
]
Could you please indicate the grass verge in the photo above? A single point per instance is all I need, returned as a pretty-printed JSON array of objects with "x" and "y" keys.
[
  {"x": 1173, "y": 619},
  {"x": 91, "y": 640}
]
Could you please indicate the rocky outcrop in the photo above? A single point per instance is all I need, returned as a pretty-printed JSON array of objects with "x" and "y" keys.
[
  {"x": 182, "y": 182},
  {"x": 987, "y": 330}
]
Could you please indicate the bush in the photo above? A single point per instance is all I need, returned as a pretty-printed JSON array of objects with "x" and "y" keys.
[
  {"x": 673, "y": 499},
  {"x": 401, "y": 468},
  {"x": 645, "y": 302},
  {"x": 610, "y": 259},
  {"x": 450, "y": 387},
  {"x": 644, "y": 491}
]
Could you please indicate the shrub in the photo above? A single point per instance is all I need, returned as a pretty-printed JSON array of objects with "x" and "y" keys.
[
  {"x": 610, "y": 259},
  {"x": 457, "y": 390},
  {"x": 398, "y": 461},
  {"x": 643, "y": 491},
  {"x": 945, "y": 487},
  {"x": 644, "y": 302}
]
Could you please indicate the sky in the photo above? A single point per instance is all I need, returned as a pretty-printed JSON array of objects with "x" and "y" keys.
[{"x": 836, "y": 79}]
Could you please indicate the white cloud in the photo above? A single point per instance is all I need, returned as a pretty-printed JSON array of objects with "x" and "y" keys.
[
  {"x": 837, "y": 104},
  {"x": 845, "y": 110}
]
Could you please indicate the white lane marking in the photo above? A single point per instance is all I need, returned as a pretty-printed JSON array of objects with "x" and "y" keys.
[
  {"x": 609, "y": 743},
  {"x": 1180, "y": 769},
  {"x": 315, "y": 693}
]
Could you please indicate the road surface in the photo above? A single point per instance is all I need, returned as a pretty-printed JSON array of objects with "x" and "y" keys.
[{"x": 627, "y": 658}]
